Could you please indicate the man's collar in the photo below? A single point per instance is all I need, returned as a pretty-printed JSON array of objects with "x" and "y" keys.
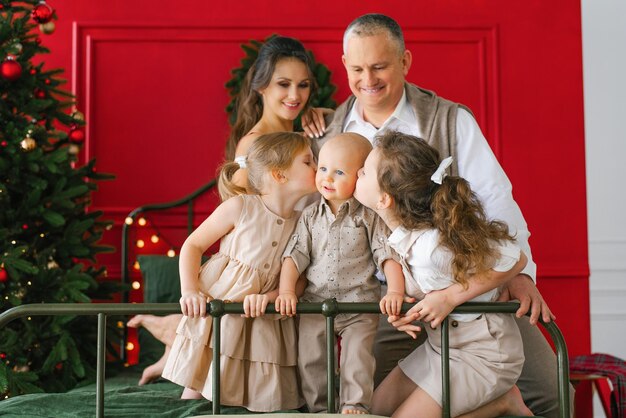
[{"x": 402, "y": 112}]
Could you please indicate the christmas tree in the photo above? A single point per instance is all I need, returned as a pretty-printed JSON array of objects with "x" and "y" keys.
[{"x": 48, "y": 238}]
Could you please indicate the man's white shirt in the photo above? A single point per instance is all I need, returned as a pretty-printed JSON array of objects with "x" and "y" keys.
[{"x": 476, "y": 162}]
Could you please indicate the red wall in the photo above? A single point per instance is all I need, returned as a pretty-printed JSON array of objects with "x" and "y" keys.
[{"x": 150, "y": 78}]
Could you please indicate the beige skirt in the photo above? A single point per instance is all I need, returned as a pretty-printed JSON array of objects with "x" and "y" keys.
[
  {"x": 258, "y": 361},
  {"x": 486, "y": 359}
]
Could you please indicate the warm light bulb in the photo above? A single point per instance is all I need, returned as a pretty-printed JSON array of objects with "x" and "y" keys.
[
  {"x": 171, "y": 253},
  {"x": 136, "y": 285},
  {"x": 142, "y": 221},
  {"x": 29, "y": 283},
  {"x": 128, "y": 220},
  {"x": 140, "y": 243},
  {"x": 42, "y": 235},
  {"x": 154, "y": 239},
  {"x": 120, "y": 324},
  {"x": 136, "y": 265},
  {"x": 130, "y": 346}
]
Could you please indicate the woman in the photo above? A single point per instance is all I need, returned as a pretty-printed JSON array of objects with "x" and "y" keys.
[{"x": 277, "y": 88}]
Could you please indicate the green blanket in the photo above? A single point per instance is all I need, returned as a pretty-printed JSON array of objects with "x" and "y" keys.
[{"x": 123, "y": 398}]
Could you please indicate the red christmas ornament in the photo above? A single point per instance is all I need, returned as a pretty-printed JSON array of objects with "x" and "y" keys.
[
  {"x": 3, "y": 275},
  {"x": 42, "y": 13},
  {"x": 33, "y": 71},
  {"x": 38, "y": 41},
  {"x": 10, "y": 69},
  {"x": 47, "y": 81},
  {"x": 39, "y": 93},
  {"x": 4, "y": 143},
  {"x": 3, "y": 355},
  {"x": 76, "y": 135}
]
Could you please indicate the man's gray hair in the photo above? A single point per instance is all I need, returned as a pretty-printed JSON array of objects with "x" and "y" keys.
[{"x": 373, "y": 24}]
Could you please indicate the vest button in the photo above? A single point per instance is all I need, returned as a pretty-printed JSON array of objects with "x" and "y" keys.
[
  {"x": 454, "y": 324},
  {"x": 279, "y": 222},
  {"x": 266, "y": 265},
  {"x": 274, "y": 243}
]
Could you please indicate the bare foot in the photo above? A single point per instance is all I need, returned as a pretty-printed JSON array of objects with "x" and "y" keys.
[
  {"x": 154, "y": 371},
  {"x": 190, "y": 394},
  {"x": 162, "y": 327},
  {"x": 356, "y": 411},
  {"x": 513, "y": 403}
]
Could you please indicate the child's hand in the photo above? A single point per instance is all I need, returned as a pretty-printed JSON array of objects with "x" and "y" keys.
[
  {"x": 286, "y": 303},
  {"x": 391, "y": 303},
  {"x": 433, "y": 308},
  {"x": 193, "y": 304},
  {"x": 405, "y": 324},
  {"x": 254, "y": 305}
]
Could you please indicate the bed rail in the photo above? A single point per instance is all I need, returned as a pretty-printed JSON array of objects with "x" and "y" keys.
[
  {"x": 189, "y": 201},
  {"x": 329, "y": 308}
]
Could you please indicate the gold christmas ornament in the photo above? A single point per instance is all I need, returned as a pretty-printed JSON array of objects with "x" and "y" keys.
[
  {"x": 28, "y": 144},
  {"x": 47, "y": 28},
  {"x": 73, "y": 149},
  {"x": 78, "y": 115},
  {"x": 53, "y": 265}
]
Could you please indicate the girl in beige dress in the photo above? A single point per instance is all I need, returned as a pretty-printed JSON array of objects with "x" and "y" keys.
[
  {"x": 258, "y": 353},
  {"x": 444, "y": 240}
]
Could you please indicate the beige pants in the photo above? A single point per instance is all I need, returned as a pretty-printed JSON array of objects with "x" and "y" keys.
[
  {"x": 538, "y": 382},
  {"x": 356, "y": 363}
]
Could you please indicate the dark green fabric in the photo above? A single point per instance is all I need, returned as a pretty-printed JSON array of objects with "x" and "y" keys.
[
  {"x": 161, "y": 282},
  {"x": 123, "y": 398}
]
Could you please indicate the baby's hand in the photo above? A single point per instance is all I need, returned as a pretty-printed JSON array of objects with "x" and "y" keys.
[
  {"x": 286, "y": 303},
  {"x": 254, "y": 305},
  {"x": 391, "y": 303},
  {"x": 193, "y": 304}
]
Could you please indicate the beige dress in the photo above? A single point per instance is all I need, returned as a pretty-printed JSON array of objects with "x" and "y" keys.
[{"x": 258, "y": 356}]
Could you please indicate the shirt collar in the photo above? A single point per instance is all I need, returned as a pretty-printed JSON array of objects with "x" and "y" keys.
[
  {"x": 402, "y": 239},
  {"x": 403, "y": 113},
  {"x": 352, "y": 204}
]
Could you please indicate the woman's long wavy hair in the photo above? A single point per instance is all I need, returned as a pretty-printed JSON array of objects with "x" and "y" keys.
[
  {"x": 249, "y": 103},
  {"x": 274, "y": 151},
  {"x": 404, "y": 173}
]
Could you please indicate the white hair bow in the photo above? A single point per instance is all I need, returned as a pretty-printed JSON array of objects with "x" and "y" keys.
[
  {"x": 241, "y": 160},
  {"x": 440, "y": 173}
]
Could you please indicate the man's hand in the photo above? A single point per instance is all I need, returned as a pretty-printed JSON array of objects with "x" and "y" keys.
[
  {"x": 286, "y": 303},
  {"x": 254, "y": 305},
  {"x": 522, "y": 288}
]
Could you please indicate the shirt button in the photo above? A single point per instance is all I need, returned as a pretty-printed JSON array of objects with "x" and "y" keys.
[
  {"x": 266, "y": 265},
  {"x": 454, "y": 324},
  {"x": 331, "y": 279},
  {"x": 279, "y": 221},
  {"x": 274, "y": 244}
]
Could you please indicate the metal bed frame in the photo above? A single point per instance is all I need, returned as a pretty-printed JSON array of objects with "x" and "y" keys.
[
  {"x": 329, "y": 308},
  {"x": 217, "y": 308}
]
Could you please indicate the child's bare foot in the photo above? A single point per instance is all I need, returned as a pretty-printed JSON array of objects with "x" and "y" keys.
[
  {"x": 513, "y": 403},
  {"x": 190, "y": 394},
  {"x": 353, "y": 410},
  {"x": 162, "y": 327},
  {"x": 154, "y": 371}
]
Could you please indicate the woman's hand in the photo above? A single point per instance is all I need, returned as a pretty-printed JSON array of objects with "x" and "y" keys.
[
  {"x": 254, "y": 305},
  {"x": 193, "y": 304},
  {"x": 286, "y": 303},
  {"x": 391, "y": 303},
  {"x": 313, "y": 121}
]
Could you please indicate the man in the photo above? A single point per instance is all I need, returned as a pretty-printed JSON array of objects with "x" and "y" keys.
[{"x": 377, "y": 63}]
